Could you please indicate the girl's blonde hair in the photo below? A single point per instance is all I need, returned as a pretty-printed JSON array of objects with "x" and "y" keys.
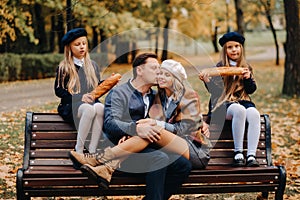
[
  {"x": 67, "y": 67},
  {"x": 233, "y": 85},
  {"x": 178, "y": 88}
]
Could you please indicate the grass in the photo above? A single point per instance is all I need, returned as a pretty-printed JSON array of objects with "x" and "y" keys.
[{"x": 284, "y": 113}]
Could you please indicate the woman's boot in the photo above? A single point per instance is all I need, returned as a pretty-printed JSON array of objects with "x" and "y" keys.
[
  {"x": 93, "y": 159},
  {"x": 102, "y": 173},
  {"x": 80, "y": 159}
]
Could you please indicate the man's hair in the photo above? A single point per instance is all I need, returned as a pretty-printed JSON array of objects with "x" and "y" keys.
[{"x": 141, "y": 59}]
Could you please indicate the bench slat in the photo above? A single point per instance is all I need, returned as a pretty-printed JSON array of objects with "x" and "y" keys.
[
  {"x": 71, "y": 143},
  {"x": 46, "y": 117},
  {"x": 58, "y": 181},
  {"x": 228, "y": 188},
  {"x": 50, "y": 162},
  {"x": 64, "y": 153},
  {"x": 56, "y": 126},
  {"x": 50, "y": 168},
  {"x": 140, "y": 190},
  {"x": 54, "y": 135},
  {"x": 49, "y": 154},
  {"x": 53, "y": 144},
  {"x": 217, "y": 136},
  {"x": 225, "y": 153},
  {"x": 209, "y": 170},
  {"x": 229, "y": 144},
  {"x": 228, "y": 161},
  {"x": 234, "y": 178}
]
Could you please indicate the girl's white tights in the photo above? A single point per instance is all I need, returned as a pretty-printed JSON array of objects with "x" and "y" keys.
[
  {"x": 90, "y": 118},
  {"x": 239, "y": 114}
]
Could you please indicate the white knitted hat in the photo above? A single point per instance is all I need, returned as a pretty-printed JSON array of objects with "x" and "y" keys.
[{"x": 175, "y": 68}]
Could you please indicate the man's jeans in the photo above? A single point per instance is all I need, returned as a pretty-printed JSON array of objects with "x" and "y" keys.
[{"x": 165, "y": 172}]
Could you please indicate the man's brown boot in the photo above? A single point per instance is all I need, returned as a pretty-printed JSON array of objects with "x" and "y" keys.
[
  {"x": 101, "y": 174},
  {"x": 92, "y": 159}
]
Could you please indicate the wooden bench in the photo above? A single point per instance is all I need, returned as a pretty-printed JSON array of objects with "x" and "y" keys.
[{"x": 48, "y": 172}]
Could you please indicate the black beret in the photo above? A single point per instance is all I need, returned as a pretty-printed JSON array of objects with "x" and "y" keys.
[
  {"x": 232, "y": 36},
  {"x": 73, "y": 35}
]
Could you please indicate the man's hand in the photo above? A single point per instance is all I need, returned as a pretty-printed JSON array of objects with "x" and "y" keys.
[{"x": 149, "y": 132}]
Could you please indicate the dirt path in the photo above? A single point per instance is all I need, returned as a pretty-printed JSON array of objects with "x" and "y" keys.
[{"x": 21, "y": 94}]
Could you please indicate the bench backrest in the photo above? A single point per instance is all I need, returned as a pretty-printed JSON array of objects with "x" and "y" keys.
[{"x": 48, "y": 139}]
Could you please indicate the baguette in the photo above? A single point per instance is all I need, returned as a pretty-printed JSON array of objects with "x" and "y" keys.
[
  {"x": 106, "y": 85},
  {"x": 223, "y": 71}
]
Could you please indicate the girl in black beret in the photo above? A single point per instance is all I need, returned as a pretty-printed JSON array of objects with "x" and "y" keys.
[
  {"x": 232, "y": 94},
  {"x": 77, "y": 75}
]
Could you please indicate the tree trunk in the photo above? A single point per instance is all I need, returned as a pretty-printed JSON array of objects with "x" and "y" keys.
[
  {"x": 103, "y": 41},
  {"x": 40, "y": 32},
  {"x": 275, "y": 37},
  {"x": 164, "y": 55},
  {"x": 157, "y": 32},
  {"x": 95, "y": 37},
  {"x": 52, "y": 35},
  {"x": 267, "y": 6},
  {"x": 60, "y": 32},
  {"x": 69, "y": 15},
  {"x": 122, "y": 52},
  {"x": 239, "y": 16},
  {"x": 215, "y": 39},
  {"x": 133, "y": 50},
  {"x": 103, "y": 50},
  {"x": 291, "y": 84}
]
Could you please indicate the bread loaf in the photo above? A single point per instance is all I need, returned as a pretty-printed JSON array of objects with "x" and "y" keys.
[
  {"x": 223, "y": 71},
  {"x": 106, "y": 85}
]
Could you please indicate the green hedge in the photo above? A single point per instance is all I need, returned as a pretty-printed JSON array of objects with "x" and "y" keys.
[
  {"x": 28, "y": 66},
  {"x": 36, "y": 66},
  {"x": 10, "y": 67}
]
